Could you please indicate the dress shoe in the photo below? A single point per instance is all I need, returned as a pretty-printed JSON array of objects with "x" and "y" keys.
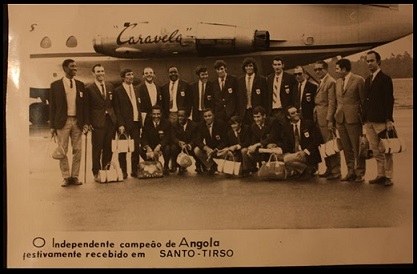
[
  {"x": 325, "y": 174},
  {"x": 75, "y": 181},
  {"x": 173, "y": 169},
  {"x": 134, "y": 174},
  {"x": 377, "y": 180},
  {"x": 333, "y": 177},
  {"x": 182, "y": 170},
  {"x": 166, "y": 171},
  {"x": 359, "y": 179},
  {"x": 66, "y": 182},
  {"x": 97, "y": 178},
  {"x": 124, "y": 175},
  {"x": 349, "y": 177},
  {"x": 388, "y": 182}
]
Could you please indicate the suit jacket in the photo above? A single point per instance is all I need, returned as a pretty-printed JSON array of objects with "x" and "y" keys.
[
  {"x": 183, "y": 97},
  {"x": 270, "y": 133},
  {"x": 305, "y": 104},
  {"x": 152, "y": 136},
  {"x": 285, "y": 94},
  {"x": 189, "y": 135},
  {"x": 325, "y": 101},
  {"x": 258, "y": 94},
  {"x": 349, "y": 100},
  {"x": 225, "y": 100},
  {"x": 310, "y": 139},
  {"x": 145, "y": 99},
  {"x": 97, "y": 105},
  {"x": 218, "y": 139},
  {"x": 123, "y": 107},
  {"x": 208, "y": 97},
  {"x": 244, "y": 139},
  {"x": 58, "y": 106},
  {"x": 379, "y": 99}
]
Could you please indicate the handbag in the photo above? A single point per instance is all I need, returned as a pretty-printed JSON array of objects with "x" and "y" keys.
[
  {"x": 122, "y": 145},
  {"x": 58, "y": 153},
  {"x": 333, "y": 144},
  {"x": 273, "y": 169},
  {"x": 184, "y": 159},
  {"x": 150, "y": 169},
  {"x": 110, "y": 173},
  {"x": 364, "y": 149},
  {"x": 391, "y": 142},
  {"x": 231, "y": 167}
]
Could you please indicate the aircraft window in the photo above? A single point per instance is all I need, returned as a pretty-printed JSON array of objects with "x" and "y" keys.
[
  {"x": 72, "y": 42},
  {"x": 46, "y": 42}
]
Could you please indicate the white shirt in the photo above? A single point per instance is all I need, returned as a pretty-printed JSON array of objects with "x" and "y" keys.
[
  {"x": 249, "y": 94},
  {"x": 200, "y": 92},
  {"x": 277, "y": 89},
  {"x": 71, "y": 94},
  {"x": 153, "y": 94},
  {"x": 129, "y": 89},
  {"x": 173, "y": 86},
  {"x": 347, "y": 77}
]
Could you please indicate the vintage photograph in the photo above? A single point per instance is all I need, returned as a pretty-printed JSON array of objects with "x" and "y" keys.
[{"x": 207, "y": 136}]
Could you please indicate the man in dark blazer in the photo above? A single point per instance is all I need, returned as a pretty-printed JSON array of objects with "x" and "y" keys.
[
  {"x": 251, "y": 90},
  {"x": 66, "y": 118},
  {"x": 101, "y": 118},
  {"x": 378, "y": 110},
  {"x": 212, "y": 138},
  {"x": 150, "y": 94},
  {"x": 304, "y": 93},
  {"x": 350, "y": 94},
  {"x": 279, "y": 93},
  {"x": 157, "y": 138},
  {"x": 175, "y": 95},
  {"x": 201, "y": 93},
  {"x": 184, "y": 136},
  {"x": 225, "y": 90},
  {"x": 302, "y": 139},
  {"x": 129, "y": 120},
  {"x": 238, "y": 140},
  {"x": 266, "y": 133}
]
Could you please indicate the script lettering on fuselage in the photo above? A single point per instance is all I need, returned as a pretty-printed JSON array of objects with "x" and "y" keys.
[{"x": 125, "y": 38}]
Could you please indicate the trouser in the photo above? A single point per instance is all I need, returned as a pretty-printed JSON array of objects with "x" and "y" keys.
[
  {"x": 349, "y": 136},
  {"x": 101, "y": 138},
  {"x": 332, "y": 162},
  {"x": 134, "y": 133},
  {"x": 384, "y": 161},
  {"x": 72, "y": 132}
]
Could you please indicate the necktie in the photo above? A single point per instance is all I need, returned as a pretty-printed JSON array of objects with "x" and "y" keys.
[
  {"x": 222, "y": 84},
  {"x": 296, "y": 139},
  {"x": 372, "y": 78},
  {"x": 248, "y": 91},
  {"x": 133, "y": 101},
  {"x": 276, "y": 91},
  {"x": 203, "y": 87},
  {"x": 103, "y": 91},
  {"x": 71, "y": 85},
  {"x": 171, "y": 96},
  {"x": 343, "y": 84},
  {"x": 210, "y": 129}
]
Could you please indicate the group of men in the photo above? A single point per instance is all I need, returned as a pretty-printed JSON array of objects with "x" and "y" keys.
[{"x": 231, "y": 115}]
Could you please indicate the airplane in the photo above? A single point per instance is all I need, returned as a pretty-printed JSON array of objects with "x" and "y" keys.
[{"x": 158, "y": 36}]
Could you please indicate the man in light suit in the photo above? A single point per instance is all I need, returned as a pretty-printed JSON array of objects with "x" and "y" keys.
[
  {"x": 150, "y": 94},
  {"x": 175, "y": 95},
  {"x": 224, "y": 92},
  {"x": 251, "y": 90},
  {"x": 279, "y": 93},
  {"x": 350, "y": 94},
  {"x": 324, "y": 110},
  {"x": 66, "y": 116},
  {"x": 101, "y": 118},
  {"x": 129, "y": 120},
  {"x": 304, "y": 94},
  {"x": 378, "y": 116}
]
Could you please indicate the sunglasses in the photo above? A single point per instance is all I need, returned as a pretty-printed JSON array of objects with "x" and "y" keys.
[
  {"x": 318, "y": 69},
  {"x": 299, "y": 73}
]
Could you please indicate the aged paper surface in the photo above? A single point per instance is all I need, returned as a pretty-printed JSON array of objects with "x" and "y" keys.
[{"x": 185, "y": 222}]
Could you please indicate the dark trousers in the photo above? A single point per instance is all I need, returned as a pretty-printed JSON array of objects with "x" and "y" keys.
[
  {"x": 134, "y": 134},
  {"x": 248, "y": 117},
  {"x": 101, "y": 145},
  {"x": 279, "y": 114}
]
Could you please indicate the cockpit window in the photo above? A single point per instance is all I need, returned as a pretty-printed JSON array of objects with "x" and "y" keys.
[
  {"x": 72, "y": 42},
  {"x": 46, "y": 42}
]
